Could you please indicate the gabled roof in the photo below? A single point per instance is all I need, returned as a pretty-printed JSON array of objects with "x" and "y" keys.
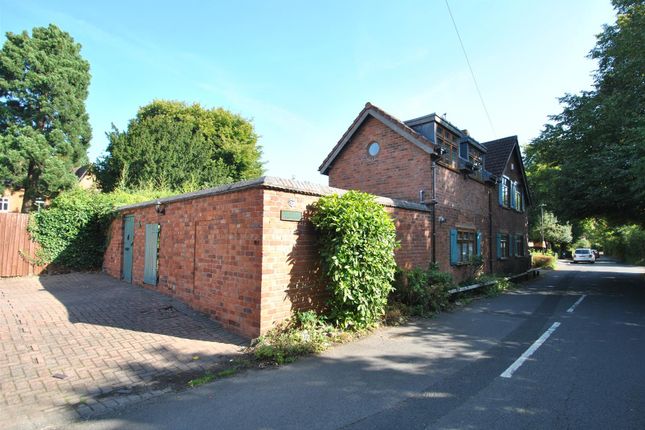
[
  {"x": 499, "y": 152},
  {"x": 82, "y": 171},
  {"x": 393, "y": 123},
  {"x": 498, "y": 155}
]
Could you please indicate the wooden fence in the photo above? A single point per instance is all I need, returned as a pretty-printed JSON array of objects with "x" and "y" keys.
[{"x": 14, "y": 241}]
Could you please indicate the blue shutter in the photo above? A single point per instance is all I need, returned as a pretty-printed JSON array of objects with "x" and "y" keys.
[
  {"x": 454, "y": 251},
  {"x": 513, "y": 195},
  {"x": 500, "y": 192},
  {"x": 150, "y": 258},
  {"x": 499, "y": 245},
  {"x": 478, "y": 243}
]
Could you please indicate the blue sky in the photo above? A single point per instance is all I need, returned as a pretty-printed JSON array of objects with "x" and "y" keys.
[{"x": 301, "y": 71}]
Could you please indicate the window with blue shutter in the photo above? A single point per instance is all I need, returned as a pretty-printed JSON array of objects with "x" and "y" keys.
[{"x": 454, "y": 250}]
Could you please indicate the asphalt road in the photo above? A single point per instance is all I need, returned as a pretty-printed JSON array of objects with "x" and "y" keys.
[{"x": 585, "y": 372}]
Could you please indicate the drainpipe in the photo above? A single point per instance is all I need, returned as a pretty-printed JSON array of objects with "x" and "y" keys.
[
  {"x": 490, "y": 232},
  {"x": 434, "y": 212}
]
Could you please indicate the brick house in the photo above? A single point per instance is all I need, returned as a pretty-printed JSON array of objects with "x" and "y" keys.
[
  {"x": 477, "y": 191},
  {"x": 246, "y": 254}
]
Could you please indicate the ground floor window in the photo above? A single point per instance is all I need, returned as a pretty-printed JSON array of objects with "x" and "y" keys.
[
  {"x": 4, "y": 204},
  {"x": 519, "y": 245},
  {"x": 503, "y": 245},
  {"x": 464, "y": 245}
]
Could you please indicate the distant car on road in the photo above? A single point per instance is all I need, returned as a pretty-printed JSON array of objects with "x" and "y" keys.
[{"x": 584, "y": 254}]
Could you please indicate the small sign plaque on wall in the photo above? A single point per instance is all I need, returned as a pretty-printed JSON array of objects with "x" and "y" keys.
[{"x": 290, "y": 215}]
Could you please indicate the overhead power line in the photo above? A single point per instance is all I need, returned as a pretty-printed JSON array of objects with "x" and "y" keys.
[{"x": 472, "y": 73}]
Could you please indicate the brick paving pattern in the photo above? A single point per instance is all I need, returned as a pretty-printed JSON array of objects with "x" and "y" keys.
[{"x": 82, "y": 343}]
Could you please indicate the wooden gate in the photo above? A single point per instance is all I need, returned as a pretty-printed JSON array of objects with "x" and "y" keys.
[{"x": 15, "y": 244}]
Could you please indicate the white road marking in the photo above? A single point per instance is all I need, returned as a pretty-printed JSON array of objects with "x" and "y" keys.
[
  {"x": 516, "y": 365},
  {"x": 573, "y": 306}
]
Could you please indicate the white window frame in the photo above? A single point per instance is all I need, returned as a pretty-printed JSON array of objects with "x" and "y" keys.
[{"x": 4, "y": 204}]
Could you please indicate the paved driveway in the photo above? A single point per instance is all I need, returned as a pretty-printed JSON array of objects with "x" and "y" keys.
[{"x": 78, "y": 344}]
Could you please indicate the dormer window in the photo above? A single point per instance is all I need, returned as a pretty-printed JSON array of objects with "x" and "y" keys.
[{"x": 446, "y": 141}]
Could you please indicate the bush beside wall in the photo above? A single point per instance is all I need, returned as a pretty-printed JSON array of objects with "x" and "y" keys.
[
  {"x": 357, "y": 242},
  {"x": 72, "y": 231}
]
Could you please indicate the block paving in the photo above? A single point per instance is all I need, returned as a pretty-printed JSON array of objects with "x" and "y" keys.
[{"x": 82, "y": 343}]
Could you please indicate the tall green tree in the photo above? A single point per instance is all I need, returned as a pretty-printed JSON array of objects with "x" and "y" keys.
[
  {"x": 590, "y": 161},
  {"x": 44, "y": 128},
  {"x": 182, "y": 147},
  {"x": 546, "y": 223}
]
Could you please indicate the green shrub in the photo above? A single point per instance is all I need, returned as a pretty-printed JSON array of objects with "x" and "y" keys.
[
  {"x": 498, "y": 286},
  {"x": 72, "y": 232},
  {"x": 627, "y": 243},
  {"x": 357, "y": 242},
  {"x": 304, "y": 334},
  {"x": 543, "y": 261},
  {"x": 422, "y": 291}
]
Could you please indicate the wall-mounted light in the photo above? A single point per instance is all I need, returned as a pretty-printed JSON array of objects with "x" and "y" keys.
[
  {"x": 442, "y": 219},
  {"x": 160, "y": 208}
]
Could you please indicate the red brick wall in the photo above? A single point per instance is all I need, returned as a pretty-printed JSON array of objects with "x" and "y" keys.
[
  {"x": 210, "y": 254},
  {"x": 291, "y": 276},
  {"x": 291, "y": 272},
  {"x": 233, "y": 258},
  {"x": 399, "y": 170},
  {"x": 463, "y": 202},
  {"x": 414, "y": 232}
]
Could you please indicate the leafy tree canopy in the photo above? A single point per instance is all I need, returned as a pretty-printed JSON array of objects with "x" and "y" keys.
[
  {"x": 44, "y": 129},
  {"x": 182, "y": 147},
  {"x": 554, "y": 231},
  {"x": 590, "y": 161}
]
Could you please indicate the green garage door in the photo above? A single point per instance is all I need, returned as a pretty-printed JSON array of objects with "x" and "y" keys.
[{"x": 152, "y": 250}]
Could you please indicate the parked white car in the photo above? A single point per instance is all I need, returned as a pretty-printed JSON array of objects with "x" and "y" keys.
[{"x": 584, "y": 254}]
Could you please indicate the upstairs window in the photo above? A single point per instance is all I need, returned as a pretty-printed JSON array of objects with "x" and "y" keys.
[
  {"x": 446, "y": 141},
  {"x": 4, "y": 204},
  {"x": 519, "y": 199},
  {"x": 505, "y": 192}
]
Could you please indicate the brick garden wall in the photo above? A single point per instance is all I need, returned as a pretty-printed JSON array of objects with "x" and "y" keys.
[
  {"x": 210, "y": 252},
  {"x": 232, "y": 257}
]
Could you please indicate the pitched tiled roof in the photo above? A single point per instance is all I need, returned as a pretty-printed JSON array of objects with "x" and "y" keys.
[
  {"x": 81, "y": 171},
  {"x": 499, "y": 151},
  {"x": 394, "y": 123}
]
